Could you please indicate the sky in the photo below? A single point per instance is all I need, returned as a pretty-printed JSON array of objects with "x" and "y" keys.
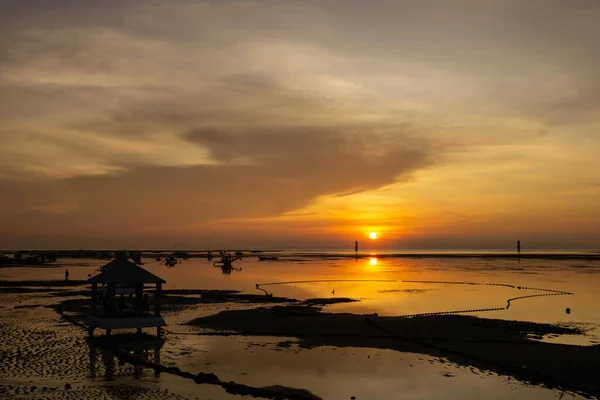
[{"x": 196, "y": 124}]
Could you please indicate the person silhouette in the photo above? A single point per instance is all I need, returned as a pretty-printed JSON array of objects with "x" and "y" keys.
[{"x": 66, "y": 274}]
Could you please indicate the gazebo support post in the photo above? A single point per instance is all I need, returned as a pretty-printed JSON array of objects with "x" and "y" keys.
[
  {"x": 94, "y": 297},
  {"x": 157, "y": 299},
  {"x": 111, "y": 292},
  {"x": 157, "y": 361},
  {"x": 139, "y": 301}
]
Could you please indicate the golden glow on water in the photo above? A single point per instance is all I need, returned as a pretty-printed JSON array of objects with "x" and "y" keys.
[
  {"x": 383, "y": 284},
  {"x": 387, "y": 285}
]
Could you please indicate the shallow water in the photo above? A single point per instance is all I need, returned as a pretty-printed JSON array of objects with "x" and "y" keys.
[
  {"x": 341, "y": 372},
  {"x": 381, "y": 284}
]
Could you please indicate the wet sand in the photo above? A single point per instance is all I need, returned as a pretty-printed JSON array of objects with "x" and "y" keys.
[
  {"x": 49, "y": 352},
  {"x": 501, "y": 346},
  {"x": 505, "y": 347},
  {"x": 46, "y": 356}
]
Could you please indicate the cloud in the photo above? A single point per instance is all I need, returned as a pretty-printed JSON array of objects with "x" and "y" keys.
[
  {"x": 254, "y": 109},
  {"x": 259, "y": 128},
  {"x": 284, "y": 170},
  {"x": 60, "y": 209}
]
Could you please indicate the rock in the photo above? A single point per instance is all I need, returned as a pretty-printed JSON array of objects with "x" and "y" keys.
[{"x": 207, "y": 378}]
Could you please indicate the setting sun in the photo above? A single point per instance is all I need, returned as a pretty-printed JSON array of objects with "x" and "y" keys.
[{"x": 372, "y": 235}]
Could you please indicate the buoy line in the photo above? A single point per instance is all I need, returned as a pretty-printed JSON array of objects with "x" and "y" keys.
[{"x": 549, "y": 292}]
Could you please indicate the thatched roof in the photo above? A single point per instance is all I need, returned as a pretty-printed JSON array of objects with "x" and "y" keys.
[{"x": 121, "y": 270}]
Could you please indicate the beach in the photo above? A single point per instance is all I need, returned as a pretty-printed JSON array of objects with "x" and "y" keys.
[
  {"x": 328, "y": 327},
  {"x": 300, "y": 200}
]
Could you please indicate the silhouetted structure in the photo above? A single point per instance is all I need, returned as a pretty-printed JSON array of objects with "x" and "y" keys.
[
  {"x": 142, "y": 351},
  {"x": 518, "y": 246},
  {"x": 227, "y": 269},
  {"x": 136, "y": 256},
  {"x": 266, "y": 293},
  {"x": 226, "y": 260},
  {"x": 356, "y": 246},
  {"x": 122, "y": 276}
]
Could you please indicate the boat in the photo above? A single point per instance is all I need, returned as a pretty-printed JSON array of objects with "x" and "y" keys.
[
  {"x": 225, "y": 261},
  {"x": 170, "y": 261},
  {"x": 268, "y": 258}
]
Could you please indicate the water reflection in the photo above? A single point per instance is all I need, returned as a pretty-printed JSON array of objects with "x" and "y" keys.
[
  {"x": 340, "y": 372},
  {"x": 226, "y": 263},
  {"x": 399, "y": 296},
  {"x": 142, "y": 349},
  {"x": 227, "y": 269},
  {"x": 371, "y": 265}
]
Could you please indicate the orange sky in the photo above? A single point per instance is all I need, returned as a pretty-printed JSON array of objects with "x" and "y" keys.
[{"x": 438, "y": 124}]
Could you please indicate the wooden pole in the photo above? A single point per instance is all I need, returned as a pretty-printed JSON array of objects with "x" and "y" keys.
[
  {"x": 112, "y": 303},
  {"x": 157, "y": 361},
  {"x": 157, "y": 299},
  {"x": 94, "y": 297},
  {"x": 139, "y": 290}
]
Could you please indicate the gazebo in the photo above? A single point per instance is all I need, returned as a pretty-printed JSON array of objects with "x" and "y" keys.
[{"x": 119, "y": 302}]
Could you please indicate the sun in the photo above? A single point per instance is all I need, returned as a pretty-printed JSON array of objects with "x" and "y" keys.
[
  {"x": 373, "y": 261},
  {"x": 372, "y": 235}
]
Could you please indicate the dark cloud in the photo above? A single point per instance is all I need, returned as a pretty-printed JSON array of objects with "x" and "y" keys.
[{"x": 284, "y": 171}]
